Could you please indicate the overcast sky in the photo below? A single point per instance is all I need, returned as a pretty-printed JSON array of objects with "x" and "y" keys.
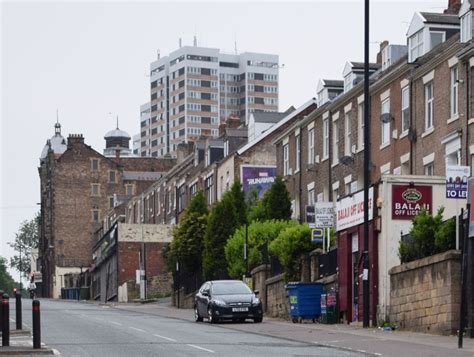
[{"x": 90, "y": 59}]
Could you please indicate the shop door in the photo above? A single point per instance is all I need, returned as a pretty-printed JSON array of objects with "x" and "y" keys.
[{"x": 355, "y": 277}]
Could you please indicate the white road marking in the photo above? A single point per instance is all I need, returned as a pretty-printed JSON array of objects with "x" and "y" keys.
[
  {"x": 201, "y": 348},
  {"x": 116, "y": 323},
  {"x": 165, "y": 338},
  {"x": 137, "y": 329}
]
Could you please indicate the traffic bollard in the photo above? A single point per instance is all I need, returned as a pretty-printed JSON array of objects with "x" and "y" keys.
[
  {"x": 6, "y": 320},
  {"x": 1, "y": 310},
  {"x": 36, "y": 325},
  {"x": 18, "y": 311}
]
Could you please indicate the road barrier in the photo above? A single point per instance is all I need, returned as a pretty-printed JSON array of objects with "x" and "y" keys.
[
  {"x": 6, "y": 320},
  {"x": 18, "y": 311},
  {"x": 36, "y": 325}
]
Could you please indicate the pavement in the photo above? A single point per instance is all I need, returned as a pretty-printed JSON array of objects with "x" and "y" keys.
[
  {"x": 72, "y": 328},
  {"x": 21, "y": 344}
]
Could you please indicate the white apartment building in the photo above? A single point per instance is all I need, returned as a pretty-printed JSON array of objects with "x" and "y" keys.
[{"x": 194, "y": 89}]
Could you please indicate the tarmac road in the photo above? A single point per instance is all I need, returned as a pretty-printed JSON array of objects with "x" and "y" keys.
[{"x": 81, "y": 329}]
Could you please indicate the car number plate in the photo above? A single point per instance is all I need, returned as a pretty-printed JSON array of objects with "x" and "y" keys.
[{"x": 240, "y": 309}]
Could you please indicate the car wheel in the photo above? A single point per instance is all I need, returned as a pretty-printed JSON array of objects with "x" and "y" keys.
[
  {"x": 258, "y": 319},
  {"x": 212, "y": 319},
  {"x": 197, "y": 317}
]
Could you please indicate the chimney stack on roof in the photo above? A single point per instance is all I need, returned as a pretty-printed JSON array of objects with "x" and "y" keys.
[
  {"x": 74, "y": 139},
  {"x": 453, "y": 7}
]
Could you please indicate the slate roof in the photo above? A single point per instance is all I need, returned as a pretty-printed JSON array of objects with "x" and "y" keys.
[{"x": 437, "y": 18}]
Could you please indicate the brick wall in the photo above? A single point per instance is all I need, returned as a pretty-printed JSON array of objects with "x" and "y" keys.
[
  {"x": 259, "y": 276},
  {"x": 425, "y": 294},
  {"x": 276, "y": 297}
]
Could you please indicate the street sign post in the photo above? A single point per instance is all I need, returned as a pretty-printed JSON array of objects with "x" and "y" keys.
[{"x": 317, "y": 235}]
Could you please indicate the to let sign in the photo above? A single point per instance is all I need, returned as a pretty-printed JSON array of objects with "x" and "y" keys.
[
  {"x": 409, "y": 200},
  {"x": 456, "y": 181}
]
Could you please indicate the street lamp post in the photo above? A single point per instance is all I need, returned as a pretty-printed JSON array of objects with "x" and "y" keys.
[{"x": 365, "y": 275}]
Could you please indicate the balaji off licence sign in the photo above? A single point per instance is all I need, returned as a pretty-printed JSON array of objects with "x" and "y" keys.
[
  {"x": 408, "y": 201},
  {"x": 350, "y": 210}
]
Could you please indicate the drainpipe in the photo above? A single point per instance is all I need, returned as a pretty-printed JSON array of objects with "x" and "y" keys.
[
  {"x": 468, "y": 107},
  {"x": 300, "y": 190}
]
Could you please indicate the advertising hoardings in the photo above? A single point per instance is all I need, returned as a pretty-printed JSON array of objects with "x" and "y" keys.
[
  {"x": 257, "y": 178},
  {"x": 409, "y": 200},
  {"x": 456, "y": 181},
  {"x": 350, "y": 210}
]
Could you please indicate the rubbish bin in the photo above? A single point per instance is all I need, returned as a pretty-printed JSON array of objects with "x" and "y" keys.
[{"x": 304, "y": 300}]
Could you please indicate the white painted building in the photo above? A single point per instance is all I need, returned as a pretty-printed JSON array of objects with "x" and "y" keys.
[{"x": 193, "y": 89}]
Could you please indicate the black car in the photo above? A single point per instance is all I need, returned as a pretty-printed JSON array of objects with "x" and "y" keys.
[{"x": 227, "y": 300}]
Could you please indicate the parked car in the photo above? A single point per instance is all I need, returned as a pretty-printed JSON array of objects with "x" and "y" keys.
[{"x": 227, "y": 300}]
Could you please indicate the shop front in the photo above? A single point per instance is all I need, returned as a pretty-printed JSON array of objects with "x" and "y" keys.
[{"x": 350, "y": 247}]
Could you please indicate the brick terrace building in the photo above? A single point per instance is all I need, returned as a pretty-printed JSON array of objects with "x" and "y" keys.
[{"x": 78, "y": 185}]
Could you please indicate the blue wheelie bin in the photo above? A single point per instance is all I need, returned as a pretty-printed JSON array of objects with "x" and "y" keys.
[{"x": 305, "y": 300}]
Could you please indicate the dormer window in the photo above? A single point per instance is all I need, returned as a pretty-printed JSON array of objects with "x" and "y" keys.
[
  {"x": 429, "y": 29},
  {"x": 466, "y": 27},
  {"x": 436, "y": 38},
  {"x": 416, "y": 45},
  {"x": 347, "y": 83}
]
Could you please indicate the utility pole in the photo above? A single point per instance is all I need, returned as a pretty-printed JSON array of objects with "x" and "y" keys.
[{"x": 365, "y": 274}]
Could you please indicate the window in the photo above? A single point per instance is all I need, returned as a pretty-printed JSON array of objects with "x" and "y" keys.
[
  {"x": 326, "y": 138},
  {"x": 111, "y": 176},
  {"x": 452, "y": 152},
  {"x": 94, "y": 164},
  {"x": 385, "y": 129},
  {"x": 429, "y": 169},
  {"x": 298, "y": 152},
  {"x": 466, "y": 27},
  {"x": 335, "y": 143},
  {"x": 436, "y": 37},
  {"x": 95, "y": 189},
  {"x": 347, "y": 135},
  {"x": 193, "y": 189},
  {"x": 453, "y": 93},
  {"x": 209, "y": 187},
  {"x": 416, "y": 46},
  {"x": 311, "y": 146},
  {"x": 286, "y": 163},
  {"x": 405, "y": 109},
  {"x": 311, "y": 197},
  {"x": 129, "y": 191},
  {"x": 111, "y": 202},
  {"x": 428, "y": 106},
  {"x": 95, "y": 215},
  {"x": 360, "y": 126}
]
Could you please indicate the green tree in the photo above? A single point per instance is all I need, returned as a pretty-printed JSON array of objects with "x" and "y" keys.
[
  {"x": 6, "y": 281},
  {"x": 260, "y": 234},
  {"x": 238, "y": 199},
  {"x": 289, "y": 246},
  {"x": 188, "y": 237},
  {"x": 26, "y": 239},
  {"x": 277, "y": 201},
  {"x": 221, "y": 225}
]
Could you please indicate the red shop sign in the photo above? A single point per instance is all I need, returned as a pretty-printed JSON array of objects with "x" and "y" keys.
[{"x": 408, "y": 201}]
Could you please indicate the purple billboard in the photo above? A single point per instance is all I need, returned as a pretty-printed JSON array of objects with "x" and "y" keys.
[{"x": 257, "y": 179}]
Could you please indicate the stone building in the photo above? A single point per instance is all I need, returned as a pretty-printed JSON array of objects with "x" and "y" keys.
[{"x": 78, "y": 185}]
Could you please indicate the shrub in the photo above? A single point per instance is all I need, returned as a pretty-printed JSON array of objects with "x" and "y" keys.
[
  {"x": 290, "y": 244},
  {"x": 260, "y": 234},
  {"x": 428, "y": 236}
]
